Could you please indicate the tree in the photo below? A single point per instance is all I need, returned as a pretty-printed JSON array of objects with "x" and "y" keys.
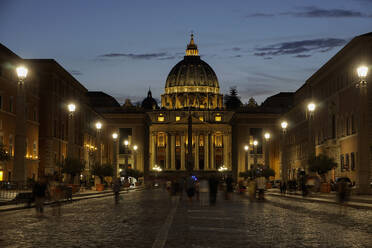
[
  {"x": 232, "y": 101},
  {"x": 133, "y": 173},
  {"x": 102, "y": 171},
  {"x": 73, "y": 167},
  {"x": 4, "y": 156},
  {"x": 268, "y": 172},
  {"x": 321, "y": 164}
]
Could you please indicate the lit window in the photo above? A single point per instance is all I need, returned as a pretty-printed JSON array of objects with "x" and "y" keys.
[
  {"x": 161, "y": 139},
  {"x": 178, "y": 118},
  {"x": 218, "y": 118},
  {"x": 218, "y": 141},
  {"x": 201, "y": 118},
  {"x": 161, "y": 118},
  {"x": 1, "y": 175}
]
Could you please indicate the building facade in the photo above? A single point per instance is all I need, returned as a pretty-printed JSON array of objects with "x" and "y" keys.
[{"x": 192, "y": 130}]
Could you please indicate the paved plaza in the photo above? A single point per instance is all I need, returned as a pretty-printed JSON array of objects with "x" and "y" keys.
[{"x": 150, "y": 219}]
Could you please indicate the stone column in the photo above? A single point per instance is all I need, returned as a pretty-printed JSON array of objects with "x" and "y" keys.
[
  {"x": 206, "y": 151},
  {"x": 183, "y": 152},
  {"x": 167, "y": 152},
  {"x": 212, "y": 147},
  {"x": 197, "y": 152},
  {"x": 173, "y": 151},
  {"x": 153, "y": 150}
]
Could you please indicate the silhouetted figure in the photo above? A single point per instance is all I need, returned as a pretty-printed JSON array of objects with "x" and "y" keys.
[
  {"x": 203, "y": 189},
  {"x": 213, "y": 187},
  {"x": 283, "y": 187},
  {"x": 229, "y": 187},
  {"x": 342, "y": 195},
  {"x": 261, "y": 185},
  {"x": 116, "y": 188},
  {"x": 190, "y": 187},
  {"x": 39, "y": 192}
]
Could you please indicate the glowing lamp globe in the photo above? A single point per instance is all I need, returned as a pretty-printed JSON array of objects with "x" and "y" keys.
[{"x": 21, "y": 72}]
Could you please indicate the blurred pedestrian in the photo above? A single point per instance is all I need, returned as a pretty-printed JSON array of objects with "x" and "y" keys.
[
  {"x": 190, "y": 187},
  {"x": 203, "y": 189},
  {"x": 56, "y": 194},
  {"x": 213, "y": 188},
  {"x": 197, "y": 190},
  {"x": 40, "y": 192},
  {"x": 283, "y": 187},
  {"x": 261, "y": 185},
  {"x": 229, "y": 187},
  {"x": 252, "y": 190},
  {"x": 116, "y": 188},
  {"x": 343, "y": 195}
]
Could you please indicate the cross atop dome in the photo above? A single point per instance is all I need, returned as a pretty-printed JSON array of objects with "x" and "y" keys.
[{"x": 192, "y": 48}]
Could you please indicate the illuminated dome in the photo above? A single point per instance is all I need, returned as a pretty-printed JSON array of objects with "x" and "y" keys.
[{"x": 192, "y": 83}]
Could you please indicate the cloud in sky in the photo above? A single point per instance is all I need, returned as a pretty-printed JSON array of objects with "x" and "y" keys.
[
  {"x": 315, "y": 12},
  {"x": 143, "y": 56},
  {"x": 299, "y": 47},
  {"x": 302, "y": 56},
  {"x": 75, "y": 72}
]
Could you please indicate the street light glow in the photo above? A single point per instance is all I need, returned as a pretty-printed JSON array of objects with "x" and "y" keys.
[
  {"x": 267, "y": 135},
  {"x": 21, "y": 72},
  {"x": 98, "y": 125},
  {"x": 284, "y": 124},
  {"x": 157, "y": 168},
  {"x": 246, "y": 148},
  {"x": 311, "y": 107},
  {"x": 255, "y": 142},
  {"x": 114, "y": 136},
  {"x": 362, "y": 71},
  {"x": 126, "y": 142},
  {"x": 135, "y": 147},
  {"x": 222, "y": 168},
  {"x": 71, "y": 107}
]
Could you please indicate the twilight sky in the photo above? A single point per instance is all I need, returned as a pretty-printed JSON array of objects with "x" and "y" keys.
[{"x": 124, "y": 47}]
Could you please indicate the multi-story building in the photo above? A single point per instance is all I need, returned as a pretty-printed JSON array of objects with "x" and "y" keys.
[
  {"x": 341, "y": 124},
  {"x": 8, "y": 116},
  {"x": 192, "y": 129}
]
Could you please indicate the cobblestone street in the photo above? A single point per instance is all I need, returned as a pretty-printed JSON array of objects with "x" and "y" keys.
[{"x": 149, "y": 219}]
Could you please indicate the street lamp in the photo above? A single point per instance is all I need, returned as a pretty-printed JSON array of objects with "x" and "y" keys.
[
  {"x": 115, "y": 138},
  {"x": 98, "y": 126},
  {"x": 284, "y": 125},
  {"x": 126, "y": 142},
  {"x": 363, "y": 144},
  {"x": 246, "y": 149},
  {"x": 22, "y": 73},
  {"x": 267, "y": 136},
  {"x": 135, "y": 147},
  {"x": 20, "y": 170},
  {"x": 71, "y": 108}
]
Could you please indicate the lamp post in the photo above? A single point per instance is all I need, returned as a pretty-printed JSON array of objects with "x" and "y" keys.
[
  {"x": 267, "y": 137},
  {"x": 310, "y": 116},
  {"x": 115, "y": 152},
  {"x": 126, "y": 153},
  {"x": 19, "y": 169},
  {"x": 246, "y": 149},
  {"x": 255, "y": 143},
  {"x": 364, "y": 170},
  {"x": 135, "y": 147},
  {"x": 284, "y": 125},
  {"x": 71, "y": 134},
  {"x": 98, "y": 128}
]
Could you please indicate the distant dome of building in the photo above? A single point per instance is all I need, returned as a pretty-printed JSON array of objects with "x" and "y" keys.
[
  {"x": 192, "y": 83},
  {"x": 192, "y": 74},
  {"x": 149, "y": 103}
]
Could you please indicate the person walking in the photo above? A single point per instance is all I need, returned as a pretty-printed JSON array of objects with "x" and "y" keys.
[
  {"x": 40, "y": 192},
  {"x": 261, "y": 185},
  {"x": 116, "y": 188},
  {"x": 213, "y": 188},
  {"x": 203, "y": 189},
  {"x": 229, "y": 187},
  {"x": 343, "y": 195},
  {"x": 252, "y": 190},
  {"x": 190, "y": 187}
]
